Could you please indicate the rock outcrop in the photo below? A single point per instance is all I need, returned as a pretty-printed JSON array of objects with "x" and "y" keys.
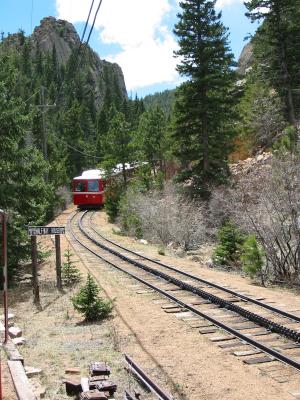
[
  {"x": 58, "y": 33},
  {"x": 250, "y": 164},
  {"x": 61, "y": 35},
  {"x": 245, "y": 60}
]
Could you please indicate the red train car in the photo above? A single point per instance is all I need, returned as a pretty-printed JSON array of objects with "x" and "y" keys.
[{"x": 88, "y": 189}]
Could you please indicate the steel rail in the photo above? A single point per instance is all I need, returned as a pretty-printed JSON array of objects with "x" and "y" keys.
[
  {"x": 262, "y": 321},
  {"x": 196, "y": 278},
  {"x": 128, "y": 396},
  {"x": 155, "y": 389},
  {"x": 279, "y": 356}
]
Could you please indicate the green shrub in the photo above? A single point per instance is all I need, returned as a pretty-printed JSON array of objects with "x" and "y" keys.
[
  {"x": 228, "y": 250},
  {"x": 161, "y": 251},
  {"x": 70, "y": 273},
  {"x": 130, "y": 222},
  {"x": 287, "y": 141},
  {"x": 143, "y": 179},
  {"x": 251, "y": 256},
  {"x": 113, "y": 194},
  {"x": 88, "y": 302}
]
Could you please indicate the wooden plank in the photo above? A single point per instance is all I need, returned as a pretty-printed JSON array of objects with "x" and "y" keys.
[
  {"x": 12, "y": 352},
  {"x": 258, "y": 333},
  {"x": 173, "y": 310},
  {"x": 221, "y": 338},
  {"x": 204, "y": 324},
  {"x": 169, "y": 307},
  {"x": 199, "y": 302},
  {"x": 244, "y": 327},
  {"x": 258, "y": 360},
  {"x": 289, "y": 346},
  {"x": 229, "y": 345},
  {"x": 205, "y": 331},
  {"x": 270, "y": 368},
  {"x": 85, "y": 384},
  {"x": 20, "y": 380},
  {"x": 246, "y": 353}
]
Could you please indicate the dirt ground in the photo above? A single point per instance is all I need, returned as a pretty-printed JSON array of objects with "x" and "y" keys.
[
  {"x": 8, "y": 391},
  {"x": 181, "y": 360}
]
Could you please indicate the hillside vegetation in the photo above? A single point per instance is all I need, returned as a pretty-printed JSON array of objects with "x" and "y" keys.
[{"x": 62, "y": 110}]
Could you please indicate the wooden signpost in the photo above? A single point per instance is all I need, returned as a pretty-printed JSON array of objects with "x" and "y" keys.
[{"x": 35, "y": 231}]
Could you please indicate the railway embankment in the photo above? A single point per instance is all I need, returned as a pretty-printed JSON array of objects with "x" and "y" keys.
[{"x": 162, "y": 337}]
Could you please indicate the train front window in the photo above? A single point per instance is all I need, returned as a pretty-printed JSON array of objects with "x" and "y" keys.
[
  {"x": 79, "y": 187},
  {"x": 93, "y": 186}
]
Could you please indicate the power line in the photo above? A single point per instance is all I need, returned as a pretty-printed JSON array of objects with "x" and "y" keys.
[
  {"x": 87, "y": 21},
  {"x": 74, "y": 148},
  {"x": 90, "y": 33},
  {"x": 91, "y": 30},
  {"x": 31, "y": 16},
  {"x": 38, "y": 91},
  {"x": 77, "y": 55}
]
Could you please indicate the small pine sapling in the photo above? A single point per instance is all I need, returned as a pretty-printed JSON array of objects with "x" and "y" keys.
[
  {"x": 252, "y": 257},
  {"x": 70, "y": 273},
  {"x": 88, "y": 302},
  {"x": 228, "y": 250}
]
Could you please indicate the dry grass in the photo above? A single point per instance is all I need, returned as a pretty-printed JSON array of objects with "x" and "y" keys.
[{"x": 58, "y": 338}]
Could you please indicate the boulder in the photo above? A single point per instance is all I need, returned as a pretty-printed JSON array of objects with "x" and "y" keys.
[
  {"x": 14, "y": 332},
  {"x": 19, "y": 341},
  {"x": 32, "y": 371}
]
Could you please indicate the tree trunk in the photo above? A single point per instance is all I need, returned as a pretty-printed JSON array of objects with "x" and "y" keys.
[
  {"x": 205, "y": 146},
  {"x": 154, "y": 169},
  {"x": 124, "y": 173},
  {"x": 286, "y": 79}
]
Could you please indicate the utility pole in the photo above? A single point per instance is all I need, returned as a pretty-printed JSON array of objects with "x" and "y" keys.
[
  {"x": 45, "y": 138},
  {"x": 44, "y": 108}
]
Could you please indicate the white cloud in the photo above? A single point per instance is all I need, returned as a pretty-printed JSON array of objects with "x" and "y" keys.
[
  {"x": 226, "y": 3},
  {"x": 147, "y": 45}
]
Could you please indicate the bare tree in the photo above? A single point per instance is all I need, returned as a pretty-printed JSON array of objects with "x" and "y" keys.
[
  {"x": 167, "y": 216},
  {"x": 267, "y": 203}
]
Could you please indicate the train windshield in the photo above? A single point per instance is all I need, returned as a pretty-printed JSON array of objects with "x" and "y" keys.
[
  {"x": 80, "y": 187},
  {"x": 93, "y": 186}
]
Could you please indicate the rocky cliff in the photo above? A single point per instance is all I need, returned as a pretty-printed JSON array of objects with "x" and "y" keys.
[
  {"x": 61, "y": 35},
  {"x": 245, "y": 60}
]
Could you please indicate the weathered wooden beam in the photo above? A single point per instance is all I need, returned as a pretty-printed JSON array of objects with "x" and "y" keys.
[
  {"x": 20, "y": 380},
  {"x": 12, "y": 351}
]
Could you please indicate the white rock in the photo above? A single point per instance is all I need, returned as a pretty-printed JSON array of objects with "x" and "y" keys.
[
  {"x": 9, "y": 317},
  {"x": 260, "y": 157},
  {"x": 14, "y": 332},
  {"x": 18, "y": 341},
  {"x": 143, "y": 241},
  {"x": 32, "y": 371}
]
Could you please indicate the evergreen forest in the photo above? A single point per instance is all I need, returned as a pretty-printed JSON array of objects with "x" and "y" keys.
[{"x": 53, "y": 126}]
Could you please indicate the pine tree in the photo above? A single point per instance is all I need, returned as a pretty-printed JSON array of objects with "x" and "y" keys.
[
  {"x": 203, "y": 108},
  {"x": 72, "y": 135},
  {"x": 252, "y": 256},
  {"x": 151, "y": 137},
  {"x": 23, "y": 192},
  {"x": 88, "y": 302},
  {"x": 276, "y": 46},
  {"x": 70, "y": 273},
  {"x": 118, "y": 143}
]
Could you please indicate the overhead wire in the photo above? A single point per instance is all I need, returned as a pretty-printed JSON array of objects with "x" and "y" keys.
[
  {"x": 87, "y": 21},
  {"x": 93, "y": 24},
  {"x": 31, "y": 14},
  {"x": 90, "y": 33},
  {"x": 74, "y": 148}
]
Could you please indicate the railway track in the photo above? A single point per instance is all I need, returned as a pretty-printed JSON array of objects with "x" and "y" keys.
[{"x": 270, "y": 330}]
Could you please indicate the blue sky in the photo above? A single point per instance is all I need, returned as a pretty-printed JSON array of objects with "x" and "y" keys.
[{"x": 137, "y": 34}]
